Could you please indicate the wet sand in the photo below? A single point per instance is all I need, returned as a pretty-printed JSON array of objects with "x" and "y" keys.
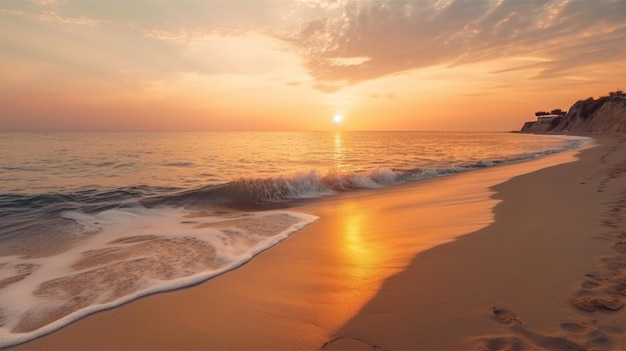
[
  {"x": 546, "y": 275},
  {"x": 537, "y": 263}
]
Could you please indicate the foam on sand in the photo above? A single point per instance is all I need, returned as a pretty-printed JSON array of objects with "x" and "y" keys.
[{"x": 132, "y": 252}]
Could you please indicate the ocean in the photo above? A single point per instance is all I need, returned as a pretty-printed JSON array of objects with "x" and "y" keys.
[{"x": 89, "y": 221}]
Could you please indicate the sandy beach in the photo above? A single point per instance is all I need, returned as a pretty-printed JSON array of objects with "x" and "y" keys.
[{"x": 527, "y": 256}]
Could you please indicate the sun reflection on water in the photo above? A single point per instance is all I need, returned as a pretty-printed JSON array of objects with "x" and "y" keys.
[{"x": 338, "y": 149}]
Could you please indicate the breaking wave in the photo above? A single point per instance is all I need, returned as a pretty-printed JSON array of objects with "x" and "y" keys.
[
  {"x": 78, "y": 249},
  {"x": 259, "y": 192}
]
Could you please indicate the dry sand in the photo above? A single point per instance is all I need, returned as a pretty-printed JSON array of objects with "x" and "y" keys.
[{"x": 381, "y": 270}]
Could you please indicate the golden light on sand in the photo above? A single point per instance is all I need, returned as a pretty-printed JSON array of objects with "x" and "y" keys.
[{"x": 360, "y": 262}]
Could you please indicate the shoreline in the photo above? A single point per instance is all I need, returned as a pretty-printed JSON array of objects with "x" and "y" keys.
[
  {"x": 324, "y": 281},
  {"x": 550, "y": 279}
]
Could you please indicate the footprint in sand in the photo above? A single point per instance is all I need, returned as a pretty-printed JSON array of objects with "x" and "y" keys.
[
  {"x": 618, "y": 289},
  {"x": 503, "y": 344},
  {"x": 523, "y": 338},
  {"x": 504, "y": 316},
  {"x": 596, "y": 303}
]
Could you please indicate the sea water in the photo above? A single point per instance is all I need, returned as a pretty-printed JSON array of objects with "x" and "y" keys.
[{"x": 89, "y": 221}]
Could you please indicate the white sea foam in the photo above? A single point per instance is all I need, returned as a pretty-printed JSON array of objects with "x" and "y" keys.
[
  {"x": 117, "y": 255},
  {"x": 316, "y": 184},
  {"x": 136, "y": 251}
]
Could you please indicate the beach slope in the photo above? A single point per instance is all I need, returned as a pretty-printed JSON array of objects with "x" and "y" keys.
[
  {"x": 470, "y": 261},
  {"x": 548, "y": 274}
]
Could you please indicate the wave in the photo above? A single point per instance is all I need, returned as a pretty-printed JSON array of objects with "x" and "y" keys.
[
  {"x": 115, "y": 245},
  {"x": 179, "y": 164},
  {"x": 259, "y": 192},
  {"x": 246, "y": 192},
  {"x": 136, "y": 251},
  {"x": 27, "y": 220},
  {"x": 274, "y": 191}
]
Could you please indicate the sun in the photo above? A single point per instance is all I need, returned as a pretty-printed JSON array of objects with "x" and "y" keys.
[{"x": 337, "y": 118}]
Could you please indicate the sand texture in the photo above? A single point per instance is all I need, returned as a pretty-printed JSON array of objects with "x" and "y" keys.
[
  {"x": 528, "y": 256},
  {"x": 546, "y": 275}
]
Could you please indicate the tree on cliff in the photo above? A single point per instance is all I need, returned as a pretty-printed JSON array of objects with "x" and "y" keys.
[
  {"x": 558, "y": 112},
  {"x": 555, "y": 112}
]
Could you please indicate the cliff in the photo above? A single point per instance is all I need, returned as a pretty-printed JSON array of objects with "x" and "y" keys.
[{"x": 605, "y": 114}]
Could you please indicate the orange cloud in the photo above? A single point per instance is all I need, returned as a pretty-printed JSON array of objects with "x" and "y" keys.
[{"x": 397, "y": 36}]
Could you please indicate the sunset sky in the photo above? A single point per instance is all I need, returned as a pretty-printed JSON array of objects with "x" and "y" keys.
[{"x": 293, "y": 65}]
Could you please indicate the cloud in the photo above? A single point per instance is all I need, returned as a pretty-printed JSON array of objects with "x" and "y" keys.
[
  {"x": 189, "y": 36},
  {"x": 50, "y": 2},
  {"x": 348, "y": 61},
  {"x": 324, "y": 4},
  {"x": 82, "y": 20},
  {"x": 397, "y": 36}
]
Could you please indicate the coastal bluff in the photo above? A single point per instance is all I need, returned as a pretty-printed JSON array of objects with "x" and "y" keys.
[{"x": 605, "y": 114}]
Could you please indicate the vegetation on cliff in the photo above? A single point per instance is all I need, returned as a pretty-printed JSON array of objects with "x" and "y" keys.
[
  {"x": 555, "y": 112},
  {"x": 605, "y": 114}
]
